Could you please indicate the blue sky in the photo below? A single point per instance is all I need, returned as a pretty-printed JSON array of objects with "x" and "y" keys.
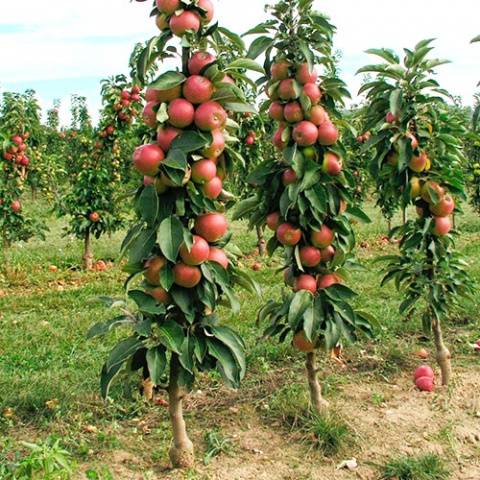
[{"x": 60, "y": 47}]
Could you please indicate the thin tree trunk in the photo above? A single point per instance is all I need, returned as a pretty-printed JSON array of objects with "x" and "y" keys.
[
  {"x": 181, "y": 452},
  {"x": 454, "y": 221},
  {"x": 443, "y": 355},
  {"x": 404, "y": 216},
  {"x": 317, "y": 401},
  {"x": 262, "y": 245},
  {"x": 389, "y": 224},
  {"x": 87, "y": 252}
]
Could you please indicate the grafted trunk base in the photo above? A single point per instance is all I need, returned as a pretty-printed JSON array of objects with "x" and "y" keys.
[
  {"x": 443, "y": 355},
  {"x": 319, "y": 404}
]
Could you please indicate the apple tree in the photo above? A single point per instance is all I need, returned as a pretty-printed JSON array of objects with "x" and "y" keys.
[
  {"x": 419, "y": 160},
  {"x": 180, "y": 262},
  {"x": 304, "y": 193}
]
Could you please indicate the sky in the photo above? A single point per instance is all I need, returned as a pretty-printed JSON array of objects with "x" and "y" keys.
[{"x": 63, "y": 47}]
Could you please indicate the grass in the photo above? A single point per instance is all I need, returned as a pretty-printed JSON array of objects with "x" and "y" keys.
[
  {"x": 49, "y": 371},
  {"x": 426, "y": 467}
]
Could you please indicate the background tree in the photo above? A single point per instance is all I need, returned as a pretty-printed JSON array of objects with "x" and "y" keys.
[
  {"x": 179, "y": 240},
  {"x": 304, "y": 193},
  {"x": 418, "y": 158}
]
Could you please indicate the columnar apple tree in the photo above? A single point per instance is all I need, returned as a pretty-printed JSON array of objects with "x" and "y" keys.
[
  {"x": 178, "y": 253},
  {"x": 418, "y": 158},
  {"x": 304, "y": 193}
]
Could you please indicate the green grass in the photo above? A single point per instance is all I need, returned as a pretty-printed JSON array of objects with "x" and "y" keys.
[
  {"x": 426, "y": 467},
  {"x": 49, "y": 371}
]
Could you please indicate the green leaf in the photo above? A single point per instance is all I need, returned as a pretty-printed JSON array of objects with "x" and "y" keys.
[
  {"x": 156, "y": 362},
  {"x": 190, "y": 141},
  {"x": 228, "y": 337},
  {"x": 245, "y": 63},
  {"x": 226, "y": 363},
  {"x": 170, "y": 237},
  {"x": 476, "y": 39},
  {"x": 123, "y": 351},
  {"x": 258, "y": 46},
  {"x": 105, "y": 327},
  {"x": 301, "y": 301},
  {"x": 389, "y": 55},
  {"x": 171, "y": 335},
  {"x": 168, "y": 80},
  {"x": 146, "y": 303},
  {"x": 148, "y": 205},
  {"x": 106, "y": 378},
  {"x": 396, "y": 99},
  {"x": 176, "y": 159},
  {"x": 142, "y": 245}
]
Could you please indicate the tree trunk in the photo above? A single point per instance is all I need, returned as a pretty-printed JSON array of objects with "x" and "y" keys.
[
  {"x": 404, "y": 216},
  {"x": 262, "y": 245},
  {"x": 316, "y": 399},
  {"x": 454, "y": 221},
  {"x": 389, "y": 224},
  {"x": 181, "y": 452},
  {"x": 443, "y": 355},
  {"x": 87, "y": 252}
]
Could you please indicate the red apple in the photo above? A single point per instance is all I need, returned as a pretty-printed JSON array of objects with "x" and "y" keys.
[
  {"x": 418, "y": 163},
  {"x": 203, "y": 171},
  {"x": 216, "y": 148},
  {"x": 159, "y": 96},
  {"x": 318, "y": 115},
  {"x": 160, "y": 295},
  {"x": 218, "y": 255},
  {"x": 168, "y": 6},
  {"x": 332, "y": 164},
  {"x": 186, "y": 276},
  {"x": 442, "y": 226},
  {"x": 390, "y": 118},
  {"x": 323, "y": 237},
  {"x": 187, "y": 21},
  {"x": 310, "y": 256},
  {"x": 17, "y": 140},
  {"x": 327, "y": 133},
  {"x": 198, "y": 89},
  {"x": 198, "y": 253},
  {"x": 305, "y": 133},
  {"x": 287, "y": 90},
  {"x": 327, "y": 280},
  {"x": 147, "y": 159},
  {"x": 288, "y": 235},
  {"x": 432, "y": 186},
  {"x": 94, "y": 217},
  {"x": 153, "y": 267},
  {"x": 276, "y": 111},
  {"x": 444, "y": 207},
  {"x": 425, "y": 384},
  {"x": 250, "y": 141},
  {"x": 213, "y": 188},
  {"x": 199, "y": 61},
  {"x": 289, "y": 176},
  {"x": 207, "y": 5},
  {"x": 16, "y": 206},
  {"x": 180, "y": 113},
  {"x": 293, "y": 112},
  {"x": 305, "y": 75},
  {"x": 211, "y": 226},
  {"x": 149, "y": 115},
  {"x": 279, "y": 70},
  {"x": 277, "y": 137},
  {"x": 305, "y": 282},
  {"x": 312, "y": 91},
  {"x": 327, "y": 253},
  {"x": 273, "y": 221},
  {"x": 423, "y": 371},
  {"x": 166, "y": 135},
  {"x": 210, "y": 116}
]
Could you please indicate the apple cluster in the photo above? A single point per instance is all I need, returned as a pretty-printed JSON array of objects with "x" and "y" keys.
[
  {"x": 16, "y": 151},
  {"x": 431, "y": 198},
  {"x": 296, "y": 104}
]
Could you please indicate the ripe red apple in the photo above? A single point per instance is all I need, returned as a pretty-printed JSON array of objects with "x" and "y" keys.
[
  {"x": 186, "y": 21},
  {"x": 276, "y": 111},
  {"x": 197, "y": 254},
  {"x": 24, "y": 161},
  {"x": 293, "y": 112},
  {"x": 203, "y": 171},
  {"x": 310, "y": 256},
  {"x": 160, "y": 295},
  {"x": 16, "y": 206},
  {"x": 289, "y": 176},
  {"x": 432, "y": 186},
  {"x": 250, "y": 141},
  {"x": 287, "y": 90},
  {"x": 424, "y": 371},
  {"x": 153, "y": 267},
  {"x": 305, "y": 75},
  {"x": 332, "y": 164},
  {"x": 277, "y": 137},
  {"x": 305, "y": 133},
  {"x": 318, "y": 115},
  {"x": 147, "y": 159},
  {"x": 180, "y": 113},
  {"x": 418, "y": 163},
  {"x": 312, "y": 91},
  {"x": 213, "y": 188},
  {"x": 288, "y": 235},
  {"x": 442, "y": 226},
  {"x": 327, "y": 133},
  {"x": 149, "y": 115},
  {"x": 200, "y": 60},
  {"x": 207, "y": 5},
  {"x": 166, "y": 135},
  {"x": 198, "y": 89},
  {"x": 168, "y": 6},
  {"x": 210, "y": 116},
  {"x": 211, "y": 226},
  {"x": 327, "y": 254},
  {"x": 390, "y": 118},
  {"x": 8, "y": 156},
  {"x": 305, "y": 282},
  {"x": 273, "y": 221},
  {"x": 94, "y": 217},
  {"x": 17, "y": 140},
  {"x": 444, "y": 207},
  {"x": 425, "y": 384},
  {"x": 186, "y": 276},
  {"x": 327, "y": 280},
  {"x": 279, "y": 70},
  {"x": 159, "y": 96},
  {"x": 219, "y": 256},
  {"x": 216, "y": 148},
  {"x": 323, "y": 237}
]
